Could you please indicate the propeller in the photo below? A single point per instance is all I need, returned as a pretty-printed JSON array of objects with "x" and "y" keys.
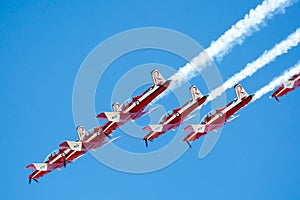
[
  {"x": 189, "y": 144},
  {"x": 146, "y": 142},
  {"x": 29, "y": 181},
  {"x": 277, "y": 99},
  {"x": 64, "y": 161}
]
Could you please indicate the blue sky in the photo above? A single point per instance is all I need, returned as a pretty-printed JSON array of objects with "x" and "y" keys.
[{"x": 42, "y": 47}]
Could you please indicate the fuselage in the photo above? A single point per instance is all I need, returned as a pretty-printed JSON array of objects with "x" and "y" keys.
[
  {"x": 139, "y": 103},
  {"x": 135, "y": 108},
  {"x": 66, "y": 155},
  {"x": 288, "y": 86},
  {"x": 57, "y": 161},
  {"x": 218, "y": 119},
  {"x": 110, "y": 126},
  {"x": 176, "y": 118}
]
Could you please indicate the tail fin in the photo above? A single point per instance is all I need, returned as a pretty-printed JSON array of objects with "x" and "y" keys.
[
  {"x": 240, "y": 91},
  {"x": 158, "y": 79},
  {"x": 81, "y": 132},
  {"x": 195, "y": 92},
  {"x": 116, "y": 107}
]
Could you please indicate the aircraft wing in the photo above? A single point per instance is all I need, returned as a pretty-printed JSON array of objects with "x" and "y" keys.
[
  {"x": 40, "y": 169},
  {"x": 195, "y": 131},
  {"x": 111, "y": 116},
  {"x": 42, "y": 166},
  {"x": 158, "y": 127},
  {"x": 84, "y": 146},
  {"x": 123, "y": 117}
]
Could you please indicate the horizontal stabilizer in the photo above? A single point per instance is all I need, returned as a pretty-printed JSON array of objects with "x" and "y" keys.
[
  {"x": 152, "y": 109},
  {"x": 188, "y": 118},
  {"x": 232, "y": 118},
  {"x": 110, "y": 141}
]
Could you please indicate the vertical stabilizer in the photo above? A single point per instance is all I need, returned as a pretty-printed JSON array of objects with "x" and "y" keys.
[
  {"x": 240, "y": 92},
  {"x": 81, "y": 132},
  {"x": 158, "y": 79},
  {"x": 116, "y": 107},
  {"x": 195, "y": 92}
]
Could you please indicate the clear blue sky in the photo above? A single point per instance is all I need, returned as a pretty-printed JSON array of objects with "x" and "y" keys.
[{"x": 42, "y": 47}]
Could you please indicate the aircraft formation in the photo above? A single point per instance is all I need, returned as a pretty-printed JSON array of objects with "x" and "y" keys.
[{"x": 69, "y": 151}]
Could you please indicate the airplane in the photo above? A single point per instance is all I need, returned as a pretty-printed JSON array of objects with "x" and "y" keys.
[
  {"x": 55, "y": 160},
  {"x": 87, "y": 140},
  {"x": 176, "y": 118},
  {"x": 215, "y": 120},
  {"x": 131, "y": 110},
  {"x": 287, "y": 86},
  {"x": 68, "y": 152}
]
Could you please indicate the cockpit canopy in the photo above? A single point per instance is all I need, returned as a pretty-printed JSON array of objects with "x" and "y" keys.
[
  {"x": 53, "y": 153},
  {"x": 211, "y": 113},
  {"x": 165, "y": 116},
  {"x": 125, "y": 103}
]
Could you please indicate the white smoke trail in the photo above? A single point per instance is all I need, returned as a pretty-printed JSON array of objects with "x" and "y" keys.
[
  {"x": 235, "y": 35},
  {"x": 245, "y": 27},
  {"x": 277, "y": 81},
  {"x": 267, "y": 57}
]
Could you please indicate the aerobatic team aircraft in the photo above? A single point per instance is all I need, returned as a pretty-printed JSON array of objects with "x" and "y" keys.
[
  {"x": 54, "y": 160},
  {"x": 134, "y": 109},
  {"x": 214, "y": 121},
  {"x": 71, "y": 150},
  {"x": 287, "y": 86},
  {"x": 68, "y": 152},
  {"x": 173, "y": 120},
  {"x": 87, "y": 141}
]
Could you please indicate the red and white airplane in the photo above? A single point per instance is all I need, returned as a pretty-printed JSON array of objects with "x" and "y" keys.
[
  {"x": 287, "y": 86},
  {"x": 55, "y": 160},
  {"x": 87, "y": 140},
  {"x": 134, "y": 109},
  {"x": 68, "y": 152},
  {"x": 173, "y": 120},
  {"x": 214, "y": 121}
]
